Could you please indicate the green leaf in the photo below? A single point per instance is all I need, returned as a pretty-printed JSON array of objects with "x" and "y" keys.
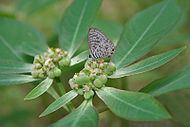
[
  {"x": 60, "y": 102},
  {"x": 79, "y": 58},
  {"x": 112, "y": 29},
  {"x": 84, "y": 116},
  {"x": 7, "y": 67},
  {"x": 7, "y": 52},
  {"x": 176, "y": 81},
  {"x": 31, "y": 6},
  {"x": 13, "y": 79},
  {"x": 40, "y": 89},
  {"x": 132, "y": 105},
  {"x": 75, "y": 23},
  {"x": 20, "y": 38},
  {"x": 144, "y": 30},
  {"x": 147, "y": 64}
]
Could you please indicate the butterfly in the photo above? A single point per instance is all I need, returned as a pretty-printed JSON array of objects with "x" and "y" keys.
[{"x": 100, "y": 46}]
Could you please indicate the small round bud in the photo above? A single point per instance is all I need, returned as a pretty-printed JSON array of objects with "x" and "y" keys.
[
  {"x": 74, "y": 86},
  {"x": 92, "y": 76},
  {"x": 65, "y": 61},
  {"x": 51, "y": 53},
  {"x": 80, "y": 91},
  {"x": 111, "y": 67},
  {"x": 71, "y": 81},
  {"x": 94, "y": 64},
  {"x": 35, "y": 74},
  {"x": 37, "y": 66},
  {"x": 102, "y": 78},
  {"x": 82, "y": 79},
  {"x": 86, "y": 88},
  {"x": 87, "y": 65},
  {"x": 89, "y": 94},
  {"x": 57, "y": 72},
  {"x": 51, "y": 74},
  {"x": 98, "y": 83},
  {"x": 101, "y": 66},
  {"x": 108, "y": 71},
  {"x": 41, "y": 75}
]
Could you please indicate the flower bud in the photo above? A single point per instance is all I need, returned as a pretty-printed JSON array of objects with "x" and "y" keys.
[
  {"x": 65, "y": 61},
  {"x": 102, "y": 78},
  {"x": 108, "y": 71},
  {"x": 111, "y": 67},
  {"x": 56, "y": 72},
  {"x": 51, "y": 74},
  {"x": 89, "y": 94},
  {"x": 82, "y": 79},
  {"x": 98, "y": 83},
  {"x": 92, "y": 76},
  {"x": 80, "y": 91},
  {"x": 94, "y": 64},
  {"x": 41, "y": 75},
  {"x": 37, "y": 66},
  {"x": 35, "y": 74}
]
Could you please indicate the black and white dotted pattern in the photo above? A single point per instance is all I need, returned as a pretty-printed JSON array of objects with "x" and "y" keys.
[{"x": 100, "y": 46}]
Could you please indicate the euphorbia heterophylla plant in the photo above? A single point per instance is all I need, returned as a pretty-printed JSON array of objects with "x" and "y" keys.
[{"x": 139, "y": 36}]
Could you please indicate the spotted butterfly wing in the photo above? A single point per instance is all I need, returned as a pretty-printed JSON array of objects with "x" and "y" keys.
[{"x": 100, "y": 46}]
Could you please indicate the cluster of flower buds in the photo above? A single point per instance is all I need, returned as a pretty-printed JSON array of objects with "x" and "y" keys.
[
  {"x": 92, "y": 77},
  {"x": 50, "y": 63}
]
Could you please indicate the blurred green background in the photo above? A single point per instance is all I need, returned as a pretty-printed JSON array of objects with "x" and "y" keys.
[{"x": 44, "y": 16}]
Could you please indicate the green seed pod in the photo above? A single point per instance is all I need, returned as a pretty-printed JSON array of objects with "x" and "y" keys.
[
  {"x": 89, "y": 94},
  {"x": 56, "y": 72},
  {"x": 80, "y": 91},
  {"x": 98, "y": 83},
  {"x": 83, "y": 79},
  {"x": 65, "y": 61},
  {"x": 102, "y": 78}
]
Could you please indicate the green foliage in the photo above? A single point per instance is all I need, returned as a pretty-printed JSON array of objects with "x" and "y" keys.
[
  {"x": 147, "y": 64},
  {"x": 31, "y": 6},
  {"x": 84, "y": 116},
  {"x": 176, "y": 81},
  {"x": 7, "y": 67},
  {"x": 112, "y": 29},
  {"x": 40, "y": 89},
  {"x": 63, "y": 100},
  {"x": 18, "y": 38},
  {"x": 79, "y": 58},
  {"x": 144, "y": 30},
  {"x": 52, "y": 65},
  {"x": 132, "y": 105},
  {"x": 75, "y": 23},
  {"x": 15, "y": 79}
]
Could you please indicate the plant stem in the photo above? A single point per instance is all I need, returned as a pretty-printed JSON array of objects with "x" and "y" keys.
[{"x": 69, "y": 105}]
